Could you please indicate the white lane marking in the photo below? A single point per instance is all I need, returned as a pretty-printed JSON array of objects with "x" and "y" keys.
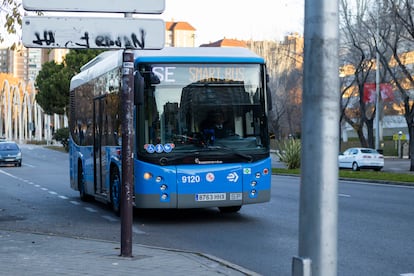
[
  {"x": 344, "y": 195},
  {"x": 111, "y": 219},
  {"x": 28, "y": 165},
  {"x": 407, "y": 274},
  {"x": 379, "y": 184},
  {"x": 91, "y": 210},
  {"x": 32, "y": 183},
  {"x": 8, "y": 174},
  {"x": 137, "y": 231}
]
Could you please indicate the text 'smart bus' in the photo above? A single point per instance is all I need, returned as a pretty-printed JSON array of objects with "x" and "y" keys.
[{"x": 201, "y": 136}]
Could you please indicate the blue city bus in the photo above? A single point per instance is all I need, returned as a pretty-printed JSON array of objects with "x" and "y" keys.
[{"x": 182, "y": 157}]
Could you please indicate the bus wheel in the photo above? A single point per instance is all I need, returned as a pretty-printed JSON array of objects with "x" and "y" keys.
[
  {"x": 81, "y": 185},
  {"x": 230, "y": 209},
  {"x": 115, "y": 192}
]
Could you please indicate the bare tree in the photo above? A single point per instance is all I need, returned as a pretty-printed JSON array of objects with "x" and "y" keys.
[
  {"x": 398, "y": 40},
  {"x": 357, "y": 50},
  {"x": 284, "y": 68}
]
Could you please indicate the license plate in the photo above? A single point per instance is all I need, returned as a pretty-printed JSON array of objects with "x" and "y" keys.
[{"x": 210, "y": 197}]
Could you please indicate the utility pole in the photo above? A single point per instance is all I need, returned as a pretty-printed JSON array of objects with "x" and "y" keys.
[{"x": 318, "y": 215}]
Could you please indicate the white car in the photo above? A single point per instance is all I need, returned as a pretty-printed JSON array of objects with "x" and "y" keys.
[{"x": 361, "y": 158}]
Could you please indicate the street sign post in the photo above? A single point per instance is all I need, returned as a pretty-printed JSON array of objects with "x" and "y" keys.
[
  {"x": 93, "y": 33},
  {"x": 103, "y": 33},
  {"x": 121, "y": 6},
  {"x": 127, "y": 118}
]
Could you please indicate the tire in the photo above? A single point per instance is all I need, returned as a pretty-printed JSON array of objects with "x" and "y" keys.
[
  {"x": 377, "y": 169},
  {"x": 115, "y": 192},
  {"x": 81, "y": 185},
  {"x": 355, "y": 166},
  {"x": 230, "y": 209}
]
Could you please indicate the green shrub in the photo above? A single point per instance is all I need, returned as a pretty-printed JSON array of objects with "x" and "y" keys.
[
  {"x": 62, "y": 135},
  {"x": 289, "y": 153}
]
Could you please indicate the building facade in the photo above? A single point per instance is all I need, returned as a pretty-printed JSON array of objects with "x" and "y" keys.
[{"x": 179, "y": 34}]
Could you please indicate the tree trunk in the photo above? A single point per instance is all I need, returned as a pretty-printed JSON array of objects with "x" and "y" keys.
[{"x": 411, "y": 145}]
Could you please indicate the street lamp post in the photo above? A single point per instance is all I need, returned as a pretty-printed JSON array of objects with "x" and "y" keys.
[{"x": 377, "y": 86}]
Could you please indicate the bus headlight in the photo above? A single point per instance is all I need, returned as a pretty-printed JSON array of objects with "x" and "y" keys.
[
  {"x": 163, "y": 187},
  {"x": 147, "y": 176},
  {"x": 164, "y": 196},
  {"x": 253, "y": 183}
]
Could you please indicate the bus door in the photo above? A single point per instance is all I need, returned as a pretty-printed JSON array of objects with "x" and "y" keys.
[{"x": 98, "y": 150}]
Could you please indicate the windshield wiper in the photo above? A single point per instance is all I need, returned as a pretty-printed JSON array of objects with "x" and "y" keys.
[{"x": 247, "y": 157}]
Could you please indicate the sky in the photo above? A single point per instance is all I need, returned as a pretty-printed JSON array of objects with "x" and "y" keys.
[
  {"x": 238, "y": 19},
  {"x": 234, "y": 19}
]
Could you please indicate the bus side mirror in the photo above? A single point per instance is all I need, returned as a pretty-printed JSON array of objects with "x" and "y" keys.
[
  {"x": 269, "y": 98},
  {"x": 268, "y": 94},
  {"x": 139, "y": 84}
]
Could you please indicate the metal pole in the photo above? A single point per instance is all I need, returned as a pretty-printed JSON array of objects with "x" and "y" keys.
[
  {"x": 318, "y": 212},
  {"x": 399, "y": 144},
  {"x": 127, "y": 102},
  {"x": 377, "y": 86}
]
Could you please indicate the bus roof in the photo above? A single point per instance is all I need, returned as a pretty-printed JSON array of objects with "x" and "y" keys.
[
  {"x": 196, "y": 55},
  {"x": 112, "y": 59}
]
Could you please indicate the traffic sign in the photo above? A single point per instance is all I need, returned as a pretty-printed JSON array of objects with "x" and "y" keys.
[
  {"x": 122, "y": 6},
  {"x": 93, "y": 33},
  {"x": 401, "y": 137}
]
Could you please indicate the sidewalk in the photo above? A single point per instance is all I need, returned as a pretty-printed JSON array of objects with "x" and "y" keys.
[{"x": 40, "y": 254}]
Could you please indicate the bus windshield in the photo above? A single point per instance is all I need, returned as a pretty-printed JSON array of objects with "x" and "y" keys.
[{"x": 214, "y": 110}]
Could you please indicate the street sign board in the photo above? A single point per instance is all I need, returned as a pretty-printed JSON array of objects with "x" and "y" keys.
[
  {"x": 93, "y": 33},
  {"x": 402, "y": 137},
  {"x": 122, "y": 6}
]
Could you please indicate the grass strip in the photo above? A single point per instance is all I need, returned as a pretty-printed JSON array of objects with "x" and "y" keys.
[{"x": 391, "y": 177}]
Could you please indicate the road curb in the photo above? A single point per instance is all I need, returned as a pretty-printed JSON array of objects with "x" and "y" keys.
[{"x": 385, "y": 182}]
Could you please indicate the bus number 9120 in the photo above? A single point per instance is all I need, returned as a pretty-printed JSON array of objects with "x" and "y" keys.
[{"x": 190, "y": 179}]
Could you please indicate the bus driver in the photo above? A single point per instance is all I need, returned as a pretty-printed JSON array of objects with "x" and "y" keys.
[{"x": 214, "y": 127}]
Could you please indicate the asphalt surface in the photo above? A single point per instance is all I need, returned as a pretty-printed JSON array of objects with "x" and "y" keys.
[{"x": 23, "y": 253}]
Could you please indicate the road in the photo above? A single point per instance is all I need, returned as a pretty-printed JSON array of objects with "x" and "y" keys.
[{"x": 375, "y": 221}]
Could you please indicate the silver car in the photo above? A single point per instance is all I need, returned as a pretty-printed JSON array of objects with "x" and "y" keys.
[
  {"x": 361, "y": 158},
  {"x": 10, "y": 153}
]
